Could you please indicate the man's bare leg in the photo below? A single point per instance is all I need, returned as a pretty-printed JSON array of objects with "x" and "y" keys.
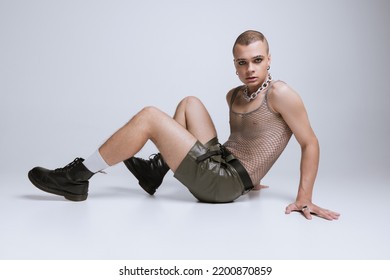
[
  {"x": 171, "y": 138},
  {"x": 72, "y": 181},
  {"x": 193, "y": 116}
]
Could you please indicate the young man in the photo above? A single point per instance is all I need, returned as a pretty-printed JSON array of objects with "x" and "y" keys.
[{"x": 263, "y": 116}]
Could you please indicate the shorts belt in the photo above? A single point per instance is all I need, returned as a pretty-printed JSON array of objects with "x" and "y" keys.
[{"x": 235, "y": 163}]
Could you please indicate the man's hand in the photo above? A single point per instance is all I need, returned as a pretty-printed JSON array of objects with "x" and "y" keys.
[{"x": 309, "y": 208}]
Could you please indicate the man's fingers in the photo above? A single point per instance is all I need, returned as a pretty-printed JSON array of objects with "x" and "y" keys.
[
  {"x": 306, "y": 212},
  {"x": 290, "y": 208},
  {"x": 311, "y": 209},
  {"x": 329, "y": 215}
]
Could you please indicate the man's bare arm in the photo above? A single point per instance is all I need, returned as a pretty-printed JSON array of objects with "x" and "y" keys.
[{"x": 288, "y": 103}]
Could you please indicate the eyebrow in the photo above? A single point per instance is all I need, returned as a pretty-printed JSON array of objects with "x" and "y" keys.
[{"x": 255, "y": 57}]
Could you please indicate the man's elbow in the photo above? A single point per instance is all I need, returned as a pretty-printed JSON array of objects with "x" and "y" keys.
[{"x": 311, "y": 143}]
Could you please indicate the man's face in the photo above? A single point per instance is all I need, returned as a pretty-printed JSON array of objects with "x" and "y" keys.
[{"x": 251, "y": 63}]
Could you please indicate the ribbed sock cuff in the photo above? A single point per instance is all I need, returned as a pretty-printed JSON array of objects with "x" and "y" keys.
[{"x": 95, "y": 162}]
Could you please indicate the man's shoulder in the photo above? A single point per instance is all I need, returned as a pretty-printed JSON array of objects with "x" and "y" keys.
[
  {"x": 280, "y": 88},
  {"x": 230, "y": 93},
  {"x": 281, "y": 96}
]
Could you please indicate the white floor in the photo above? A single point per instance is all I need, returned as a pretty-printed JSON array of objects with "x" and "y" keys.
[{"x": 120, "y": 221}]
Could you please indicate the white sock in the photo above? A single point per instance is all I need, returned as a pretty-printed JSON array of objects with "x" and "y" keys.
[{"x": 95, "y": 162}]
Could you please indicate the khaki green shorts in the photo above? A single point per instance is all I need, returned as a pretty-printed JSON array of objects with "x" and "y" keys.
[{"x": 211, "y": 180}]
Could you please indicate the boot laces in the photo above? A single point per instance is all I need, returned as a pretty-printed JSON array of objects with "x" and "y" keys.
[
  {"x": 69, "y": 166},
  {"x": 154, "y": 157}
]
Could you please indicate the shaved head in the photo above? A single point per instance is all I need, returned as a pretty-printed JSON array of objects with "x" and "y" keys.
[{"x": 249, "y": 37}]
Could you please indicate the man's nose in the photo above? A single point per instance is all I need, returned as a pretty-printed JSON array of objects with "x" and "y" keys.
[{"x": 250, "y": 67}]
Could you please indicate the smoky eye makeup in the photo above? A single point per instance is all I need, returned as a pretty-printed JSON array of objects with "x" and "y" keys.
[
  {"x": 240, "y": 61},
  {"x": 258, "y": 58}
]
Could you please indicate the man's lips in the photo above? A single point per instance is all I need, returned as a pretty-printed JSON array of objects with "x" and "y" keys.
[{"x": 251, "y": 79}]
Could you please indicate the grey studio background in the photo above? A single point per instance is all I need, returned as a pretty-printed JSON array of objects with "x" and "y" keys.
[{"x": 72, "y": 72}]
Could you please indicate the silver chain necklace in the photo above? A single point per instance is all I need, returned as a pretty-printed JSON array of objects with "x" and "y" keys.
[{"x": 249, "y": 98}]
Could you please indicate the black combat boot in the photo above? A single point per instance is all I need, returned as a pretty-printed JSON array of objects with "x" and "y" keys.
[
  {"x": 70, "y": 181},
  {"x": 150, "y": 173}
]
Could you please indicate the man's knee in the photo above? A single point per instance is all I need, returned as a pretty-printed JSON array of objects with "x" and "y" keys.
[
  {"x": 150, "y": 111},
  {"x": 191, "y": 101}
]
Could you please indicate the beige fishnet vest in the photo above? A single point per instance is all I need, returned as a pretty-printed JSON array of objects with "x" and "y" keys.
[{"x": 257, "y": 138}]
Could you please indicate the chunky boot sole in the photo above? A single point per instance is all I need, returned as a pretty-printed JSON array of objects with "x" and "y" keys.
[
  {"x": 67, "y": 195},
  {"x": 147, "y": 186}
]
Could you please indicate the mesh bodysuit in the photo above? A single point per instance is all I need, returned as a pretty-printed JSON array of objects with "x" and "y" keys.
[{"x": 257, "y": 138}]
